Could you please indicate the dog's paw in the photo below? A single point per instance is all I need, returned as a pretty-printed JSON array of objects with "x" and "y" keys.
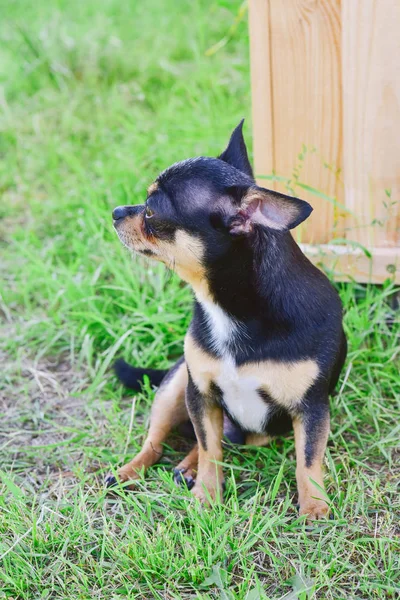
[
  {"x": 207, "y": 496},
  {"x": 110, "y": 481},
  {"x": 314, "y": 510},
  {"x": 184, "y": 477},
  {"x": 126, "y": 476}
]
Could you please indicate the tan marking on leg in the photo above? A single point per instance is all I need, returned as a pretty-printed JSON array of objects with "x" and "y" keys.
[
  {"x": 257, "y": 439},
  {"x": 168, "y": 410},
  {"x": 311, "y": 499},
  {"x": 210, "y": 477}
]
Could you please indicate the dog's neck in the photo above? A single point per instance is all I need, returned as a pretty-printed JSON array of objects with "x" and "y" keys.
[{"x": 254, "y": 280}]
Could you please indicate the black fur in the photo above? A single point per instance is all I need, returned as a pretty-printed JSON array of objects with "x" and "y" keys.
[
  {"x": 279, "y": 421},
  {"x": 132, "y": 377},
  {"x": 196, "y": 409},
  {"x": 286, "y": 308},
  {"x": 235, "y": 153}
]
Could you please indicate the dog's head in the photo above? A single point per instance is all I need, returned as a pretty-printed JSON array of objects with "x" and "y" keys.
[{"x": 199, "y": 209}]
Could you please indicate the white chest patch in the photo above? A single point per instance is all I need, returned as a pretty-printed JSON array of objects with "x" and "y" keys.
[
  {"x": 239, "y": 391},
  {"x": 222, "y": 327},
  {"x": 285, "y": 382},
  {"x": 241, "y": 397}
]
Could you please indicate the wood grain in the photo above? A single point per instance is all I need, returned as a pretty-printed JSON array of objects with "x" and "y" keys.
[
  {"x": 261, "y": 82},
  {"x": 306, "y": 99},
  {"x": 371, "y": 95},
  {"x": 326, "y": 75},
  {"x": 346, "y": 263}
]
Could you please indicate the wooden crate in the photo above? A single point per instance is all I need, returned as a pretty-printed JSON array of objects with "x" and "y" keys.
[{"x": 326, "y": 122}]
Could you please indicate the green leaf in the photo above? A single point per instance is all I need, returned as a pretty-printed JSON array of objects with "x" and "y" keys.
[
  {"x": 345, "y": 242},
  {"x": 12, "y": 488},
  {"x": 218, "y": 578},
  {"x": 277, "y": 482}
]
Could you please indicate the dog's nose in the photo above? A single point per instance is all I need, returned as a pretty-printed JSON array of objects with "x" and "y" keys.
[{"x": 119, "y": 213}]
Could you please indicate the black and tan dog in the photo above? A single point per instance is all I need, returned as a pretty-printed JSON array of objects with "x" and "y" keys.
[{"x": 266, "y": 345}]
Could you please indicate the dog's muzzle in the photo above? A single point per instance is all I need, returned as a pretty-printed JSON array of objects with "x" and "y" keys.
[{"x": 121, "y": 212}]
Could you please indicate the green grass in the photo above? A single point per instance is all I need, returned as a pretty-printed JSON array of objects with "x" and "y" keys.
[{"x": 95, "y": 99}]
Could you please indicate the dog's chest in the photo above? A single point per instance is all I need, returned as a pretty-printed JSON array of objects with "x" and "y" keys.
[
  {"x": 240, "y": 395},
  {"x": 244, "y": 387},
  {"x": 240, "y": 391}
]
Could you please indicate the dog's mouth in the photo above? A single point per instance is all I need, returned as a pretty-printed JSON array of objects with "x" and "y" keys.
[{"x": 129, "y": 231}]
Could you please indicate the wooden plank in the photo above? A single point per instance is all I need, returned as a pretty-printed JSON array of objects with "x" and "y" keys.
[
  {"x": 371, "y": 95},
  {"x": 346, "y": 263},
  {"x": 306, "y": 100},
  {"x": 261, "y": 88}
]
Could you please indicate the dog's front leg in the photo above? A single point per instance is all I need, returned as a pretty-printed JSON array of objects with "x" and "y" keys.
[
  {"x": 208, "y": 422},
  {"x": 168, "y": 411},
  {"x": 311, "y": 430}
]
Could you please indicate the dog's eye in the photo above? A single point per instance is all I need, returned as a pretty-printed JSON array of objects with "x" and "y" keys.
[{"x": 149, "y": 212}]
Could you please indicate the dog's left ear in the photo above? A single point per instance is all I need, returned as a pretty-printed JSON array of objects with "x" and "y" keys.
[
  {"x": 257, "y": 205},
  {"x": 235, "y": 153}
]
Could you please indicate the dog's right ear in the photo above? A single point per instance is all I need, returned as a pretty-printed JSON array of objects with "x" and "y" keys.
[
  {"x": 235, "y": 153},
  {"x": 257, "y": 205}
]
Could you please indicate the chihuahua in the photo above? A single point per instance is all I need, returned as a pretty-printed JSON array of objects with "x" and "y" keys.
[{"x": 266, "y": 343}]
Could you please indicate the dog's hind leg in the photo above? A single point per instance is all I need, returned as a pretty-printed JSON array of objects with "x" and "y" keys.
[{"x": 168, "y": 411}]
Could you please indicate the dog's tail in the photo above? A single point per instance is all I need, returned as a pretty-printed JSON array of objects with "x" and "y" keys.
[{"x": 132, "y": 377}]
